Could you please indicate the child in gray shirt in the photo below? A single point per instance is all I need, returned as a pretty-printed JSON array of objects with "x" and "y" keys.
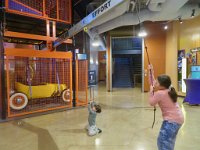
[{"x": 93, "y": 109}]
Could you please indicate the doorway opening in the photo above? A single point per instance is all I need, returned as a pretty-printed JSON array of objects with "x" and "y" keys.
[{"x": 127, "y": 70}]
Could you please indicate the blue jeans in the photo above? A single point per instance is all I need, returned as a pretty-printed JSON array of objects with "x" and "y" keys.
[{"x": 167, "y": 136}]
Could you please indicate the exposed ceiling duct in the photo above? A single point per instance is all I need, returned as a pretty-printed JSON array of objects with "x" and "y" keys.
[
  {"x": 155, "y": 5},
  {"x": 157, "y": 10},
  {"x": 117, "y": 11}
]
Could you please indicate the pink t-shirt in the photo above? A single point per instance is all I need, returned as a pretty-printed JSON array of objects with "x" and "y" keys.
[{"x": 170, "y": 110}]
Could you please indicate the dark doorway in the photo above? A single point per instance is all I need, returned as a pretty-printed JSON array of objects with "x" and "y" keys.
[{"x": 127, "y": 70}]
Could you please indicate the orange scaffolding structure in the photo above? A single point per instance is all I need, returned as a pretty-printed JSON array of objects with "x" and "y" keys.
[
  {"x": 81, "y": 82},
  {"x": 37, "y": 81},
  {"x": 56, "y": 10}
]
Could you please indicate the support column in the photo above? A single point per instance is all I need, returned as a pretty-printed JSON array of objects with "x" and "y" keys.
[
  {"x": 172, "y": 46},
  {"x": 57, "y": 9},
  {"x": 43, "y": 5},
  {"x": 54, "y": 29},
  {"x": 74, "y": 77},
  {"x": 3, "y": 102},
  {"x": 54, "y": 32},
  {"x": 109, "y": 65},
  {"x": 49, "y": 43}
]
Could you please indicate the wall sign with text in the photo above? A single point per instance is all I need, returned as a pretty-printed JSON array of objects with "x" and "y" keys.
[{"x": 92, "y": 78}]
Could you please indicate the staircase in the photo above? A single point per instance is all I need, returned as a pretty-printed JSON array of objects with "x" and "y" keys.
[
  {"x": 136, "y": 70},
  {"x": 122, "y": 73},
  {"x": 137, "y": 65}
]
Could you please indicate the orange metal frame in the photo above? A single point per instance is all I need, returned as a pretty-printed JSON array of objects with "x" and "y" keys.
[
  {"x": 57, "y": 9},
  {"x": 70, "y": 11},
  {"x": 71, "y": 81},
  {"x": 44, "y": 8},
  {"x": 32, "y": 36},
  {"x": 28, "y": 7},
  {"x": 44, "y": 16},
  {"x": 8, "y": 87},
  {"x": 10, "y": 52},
  {"x": 34, "y": 53},
  {"x": 78, "y": 102}
]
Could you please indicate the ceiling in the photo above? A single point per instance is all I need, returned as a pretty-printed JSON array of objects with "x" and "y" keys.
[
  {"x": 81, "y": 8},
  {"x": 194, "y": 1}
]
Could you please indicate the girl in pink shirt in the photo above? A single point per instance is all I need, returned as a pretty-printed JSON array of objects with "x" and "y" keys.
[{"x": 163, "y": 94}]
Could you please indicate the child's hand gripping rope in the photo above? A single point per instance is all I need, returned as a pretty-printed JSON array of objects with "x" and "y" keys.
[{"x": 152, "y": 80}]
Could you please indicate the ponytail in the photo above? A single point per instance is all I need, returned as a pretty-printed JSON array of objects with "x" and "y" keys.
[
  {"x": 173, "y": 95},
  {"x": 165, "y": 81}
]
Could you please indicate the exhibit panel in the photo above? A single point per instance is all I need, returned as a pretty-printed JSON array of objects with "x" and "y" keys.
[
  {"x": 193, "y": 86},
  {"x": 193, "y": 94}
]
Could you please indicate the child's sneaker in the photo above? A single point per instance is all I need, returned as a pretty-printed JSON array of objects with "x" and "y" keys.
[{"x": 99, "y": 130}]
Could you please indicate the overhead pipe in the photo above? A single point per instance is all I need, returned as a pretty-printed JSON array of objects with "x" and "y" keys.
[
  {"x": 156, "y": 5},
  {"x": 147, "y": 15},
  {"x": 115, "y": 12}
]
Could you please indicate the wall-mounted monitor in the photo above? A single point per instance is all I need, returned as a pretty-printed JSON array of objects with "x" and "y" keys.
[
  {"x": 81, "y": 56},
  {"x": 195, "y": 72}
]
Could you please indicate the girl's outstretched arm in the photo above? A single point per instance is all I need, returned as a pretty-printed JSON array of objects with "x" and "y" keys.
[
  {"x": 154, "y": 97},
  {"x": 151, "y": 75},
  {"x": 90, "y": 106}
]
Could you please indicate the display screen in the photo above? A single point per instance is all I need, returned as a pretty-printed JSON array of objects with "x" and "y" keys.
[
  {"x": 195, "y": 72},
  {"x": 81, "y": 56}
]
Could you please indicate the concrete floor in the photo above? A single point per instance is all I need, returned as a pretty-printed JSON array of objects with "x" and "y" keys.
[{"x": 126, "y": 123}]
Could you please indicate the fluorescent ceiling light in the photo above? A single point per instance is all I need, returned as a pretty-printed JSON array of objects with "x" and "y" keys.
[
  {"x": 166, "y": 27},
  {"x": 142, "y": 33},
  {"x": 95, "y": 43}
]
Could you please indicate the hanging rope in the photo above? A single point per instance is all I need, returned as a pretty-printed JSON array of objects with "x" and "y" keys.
[
  {"x": 58, "y": 92},
  {"x": 151, "y": 80},
  {"x": 29, "y": 78},
  {"x": 151, "y": 73}
]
